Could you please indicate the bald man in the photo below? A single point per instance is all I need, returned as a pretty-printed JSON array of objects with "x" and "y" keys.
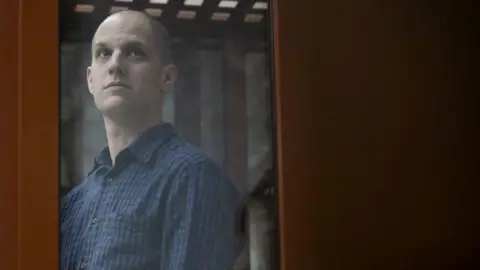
[{"x": 151, "y": 200}]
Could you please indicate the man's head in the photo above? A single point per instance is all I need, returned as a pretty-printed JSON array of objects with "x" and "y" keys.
[{"x": 131, "y": 65}]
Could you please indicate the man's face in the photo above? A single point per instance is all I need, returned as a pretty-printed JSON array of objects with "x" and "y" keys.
[{"x": 126, "y": 74}]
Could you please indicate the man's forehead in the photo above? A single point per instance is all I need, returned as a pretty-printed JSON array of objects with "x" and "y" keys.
[
  {"x": 119, "y": 42},
  {"x": 124, "y": 24}
]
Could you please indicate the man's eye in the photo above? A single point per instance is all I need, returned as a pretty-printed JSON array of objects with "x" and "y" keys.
[
  {"x": 135, "y": 53},
  {"x": 102, "y": 53}
]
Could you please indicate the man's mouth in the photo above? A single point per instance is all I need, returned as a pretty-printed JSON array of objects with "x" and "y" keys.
[{"x": 115, "y": 84}]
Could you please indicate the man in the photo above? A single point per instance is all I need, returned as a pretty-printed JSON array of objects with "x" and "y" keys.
[{"x": 151, "y": 201}]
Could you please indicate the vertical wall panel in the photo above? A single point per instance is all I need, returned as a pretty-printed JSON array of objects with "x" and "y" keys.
[
  {"x": 235, "y": 122},
  {"x": 212, "y": 126}
]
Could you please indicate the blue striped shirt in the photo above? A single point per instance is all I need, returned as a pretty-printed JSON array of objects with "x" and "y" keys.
[{"x": 163, "y": 205}]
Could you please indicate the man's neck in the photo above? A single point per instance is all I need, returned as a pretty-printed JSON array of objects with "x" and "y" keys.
[{"x": 121, "y": 135}]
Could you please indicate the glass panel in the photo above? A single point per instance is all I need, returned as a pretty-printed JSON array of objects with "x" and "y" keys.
[{"x": 167, "y": 147}]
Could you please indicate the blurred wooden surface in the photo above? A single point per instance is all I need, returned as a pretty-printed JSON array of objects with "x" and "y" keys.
[
  {"x": 9, "y": 134},
  {"x": 375, "y": 120}
]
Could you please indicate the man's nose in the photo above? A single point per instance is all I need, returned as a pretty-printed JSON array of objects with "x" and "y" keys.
[{"x": 116, "y": 65}]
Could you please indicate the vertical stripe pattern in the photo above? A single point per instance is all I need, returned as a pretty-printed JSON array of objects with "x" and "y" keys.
[{"x": 163, "y": 205}]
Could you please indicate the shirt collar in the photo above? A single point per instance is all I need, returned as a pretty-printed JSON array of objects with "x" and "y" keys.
[{"x": 144, "y": 146}]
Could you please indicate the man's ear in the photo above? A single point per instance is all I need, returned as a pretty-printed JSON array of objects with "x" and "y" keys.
[
  {"x": 89, "y": 79},
  {"x": 169, "y": 76}
]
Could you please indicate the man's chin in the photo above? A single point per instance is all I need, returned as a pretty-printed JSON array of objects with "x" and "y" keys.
[{"x": 113, "y": 107}]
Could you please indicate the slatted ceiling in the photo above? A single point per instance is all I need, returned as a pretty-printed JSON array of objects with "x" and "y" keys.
[
  {"x": 184, "y": 18},
  {"x": 203, "y": 9}
]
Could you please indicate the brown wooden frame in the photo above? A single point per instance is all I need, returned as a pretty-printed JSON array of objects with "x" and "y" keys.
[
  {"x": 30, "y": 183},
  {"x": 363, "y": 182}
]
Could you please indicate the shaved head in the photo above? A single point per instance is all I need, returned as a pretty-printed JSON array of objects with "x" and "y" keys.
[
  {"x": 131, "y": 66},
  {"x": 159, "y": 33}
]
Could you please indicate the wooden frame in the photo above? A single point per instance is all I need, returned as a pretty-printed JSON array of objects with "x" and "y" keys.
[
  {"x": 30, "y": 160},
  {"x": 379, "y": 187}
]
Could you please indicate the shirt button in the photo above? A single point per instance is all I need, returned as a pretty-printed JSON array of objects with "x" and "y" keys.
[
  {"x": 94, "y": 220},
  {"x": 109, "y": 179},
  {"x": 83, "y": 266}
]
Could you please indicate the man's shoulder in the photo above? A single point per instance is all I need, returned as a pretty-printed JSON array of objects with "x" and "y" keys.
[
  {"x": 190, "y": 162},
  {"x": 182, "y": 154}
]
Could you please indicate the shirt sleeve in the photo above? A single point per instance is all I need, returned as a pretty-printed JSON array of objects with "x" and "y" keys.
[{"x": 199, "y": 231}]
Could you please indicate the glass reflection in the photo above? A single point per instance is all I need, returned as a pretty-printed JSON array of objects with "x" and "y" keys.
[{"x": 162, "y": 135}]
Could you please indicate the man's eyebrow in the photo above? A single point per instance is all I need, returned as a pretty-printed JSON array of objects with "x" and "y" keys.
[{"x": 99, "y": 45}]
